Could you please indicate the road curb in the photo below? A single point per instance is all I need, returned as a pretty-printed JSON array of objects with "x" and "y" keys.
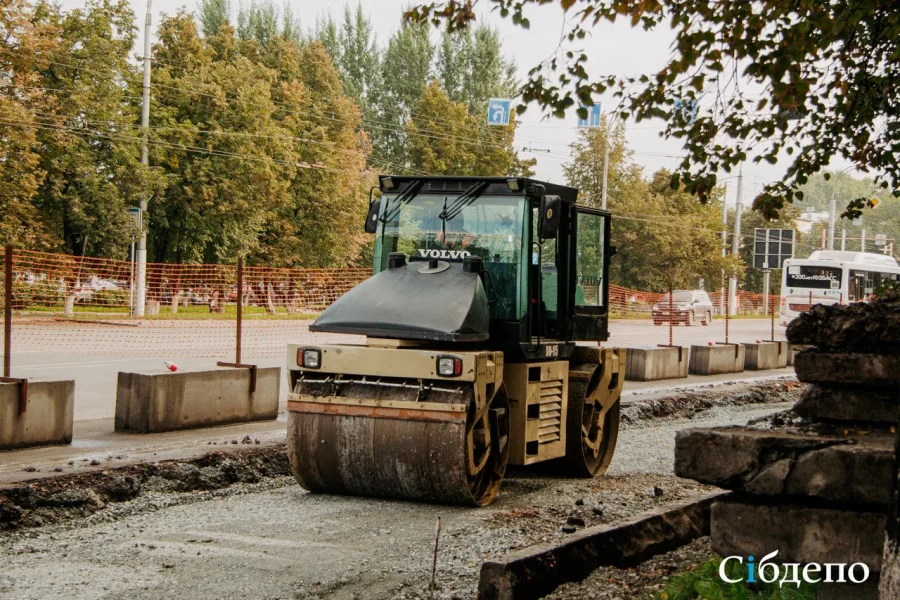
[{"x": 536, "y": 571}]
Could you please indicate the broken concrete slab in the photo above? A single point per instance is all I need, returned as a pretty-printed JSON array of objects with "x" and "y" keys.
[
  {"x": 765, "y": 463},
  {"x": 717, "y": 359},
  {"x": 833, "y": 402},
  {"x": 871, "y": 370},
  {"x": 536, "y": 571},
  {"x": 762, "y": 356},
  {"x": 46, "y": 420},
  {"x": 148, "y": 403},
  {"x": 654, "y": 364},
  {"x": 800, "y": 533}
]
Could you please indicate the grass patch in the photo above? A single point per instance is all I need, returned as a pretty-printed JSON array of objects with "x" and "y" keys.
[{"x": 704, "y": 583}]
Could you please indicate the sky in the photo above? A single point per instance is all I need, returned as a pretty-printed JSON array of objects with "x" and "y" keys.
[{"x": 612, "y": 48}]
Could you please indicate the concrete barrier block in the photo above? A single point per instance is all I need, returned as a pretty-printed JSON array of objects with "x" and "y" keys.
[
  {"x": 793, "y": 349},
  {"x": 148, "y": 403},
  {"x": 47, "y": 418},
  {"x": 762, "y": 356},
  {"x": 652, "y": 364},
  {"x": 716, "y": 359},
  {"x": 801, "y": 533}
]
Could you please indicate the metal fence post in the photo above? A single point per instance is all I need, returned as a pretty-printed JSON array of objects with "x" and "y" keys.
[
  {"x": 240, "y": 307},
  {"x": 772, "y": 302},
  {"x": 7, "y": 311},
  {"x": 671, "y": 314},
  {"x": 727, "y": 318}
]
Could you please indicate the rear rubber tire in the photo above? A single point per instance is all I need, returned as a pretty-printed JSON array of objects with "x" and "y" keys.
[{"x": 707, "y": 319}]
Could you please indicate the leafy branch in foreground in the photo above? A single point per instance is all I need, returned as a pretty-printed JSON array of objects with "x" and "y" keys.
[
  {"x": 813, "y": 79},
  {"x": 704, "y": 583}
]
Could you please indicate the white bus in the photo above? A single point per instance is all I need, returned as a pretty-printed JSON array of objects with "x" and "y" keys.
[{"x": 832, "y": 277}]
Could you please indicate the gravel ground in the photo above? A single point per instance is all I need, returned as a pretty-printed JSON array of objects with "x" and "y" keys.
[{"x": 264, "y": 537}]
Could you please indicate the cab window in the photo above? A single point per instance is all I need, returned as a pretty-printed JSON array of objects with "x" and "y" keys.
[{"x": 591, "y": 229}]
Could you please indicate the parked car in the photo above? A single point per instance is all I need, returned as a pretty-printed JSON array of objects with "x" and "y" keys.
[{"x": 687, "y": 306}]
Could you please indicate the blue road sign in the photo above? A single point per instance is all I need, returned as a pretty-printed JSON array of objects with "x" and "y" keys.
[
  {"x": 498, "y": 111},
  {"x": 593, "y": 118},
  {"x": 688, "y": 110}
]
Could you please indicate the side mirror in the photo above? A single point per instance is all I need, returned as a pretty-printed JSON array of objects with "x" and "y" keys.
[
  {"x": 372, "y": 216},
  {"x": 612, "y": 251},
  {"x": 551, "y": 210}
]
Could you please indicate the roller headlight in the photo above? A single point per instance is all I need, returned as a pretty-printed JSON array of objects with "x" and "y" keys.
[
  {"x": 310, "y": 358},
  {"x": 449, "y": 366}
]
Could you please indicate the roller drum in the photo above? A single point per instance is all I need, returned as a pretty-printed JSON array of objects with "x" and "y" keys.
[{"x": 408, "y": 458}]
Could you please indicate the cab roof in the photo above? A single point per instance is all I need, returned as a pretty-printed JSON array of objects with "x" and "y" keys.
[{"x": 458, "y": 184}]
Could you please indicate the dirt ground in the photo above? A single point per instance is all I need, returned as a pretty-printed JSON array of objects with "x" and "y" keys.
[{"x": 237, "y": 526}]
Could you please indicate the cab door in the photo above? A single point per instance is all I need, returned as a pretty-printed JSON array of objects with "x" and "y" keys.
[{"x": 590, "y": 274}]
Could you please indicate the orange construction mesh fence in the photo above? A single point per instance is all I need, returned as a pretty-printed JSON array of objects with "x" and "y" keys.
[
  {"x": 87, "y": 305},
  {"x": 84, "y": 305}
]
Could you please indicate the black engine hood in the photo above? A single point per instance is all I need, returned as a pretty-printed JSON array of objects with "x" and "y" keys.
[{"x": 406, "y": 304}]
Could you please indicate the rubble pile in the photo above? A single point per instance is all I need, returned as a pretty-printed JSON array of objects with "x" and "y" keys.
[{"x": 816, "y": 484}]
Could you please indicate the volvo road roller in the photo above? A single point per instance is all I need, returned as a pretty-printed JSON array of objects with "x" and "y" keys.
[{"x": 482, "y": 322}]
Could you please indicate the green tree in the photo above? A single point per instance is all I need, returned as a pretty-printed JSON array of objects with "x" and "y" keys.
[
  {"x": 664, "y": 237},
  {"x": 89, "y": 151},
  {"x": 220, "y": 193},
  {"x": 813, "y": 80},
  {"x": 261, "y": 148},
  {"x": 27, "y": 37},
  {"x": 358, "y": 59},
  {"x": 320, "y": 225},
  {"x": 406, "y": 70},
  {"x": 326, "y": 33},
  {"x": 472, "y": 69},
  {"x": 818, "y": 190},
  {"x": 585, "y": 171},
  {"x": 259, "y": 21},
  {"x": 213, "y": 14},
  {"x": 445, "y": 139}
]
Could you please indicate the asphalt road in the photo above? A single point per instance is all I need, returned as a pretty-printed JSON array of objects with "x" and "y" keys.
[
  {"x": 273, "y": 540},
  {"x": 93, "y": 353}
]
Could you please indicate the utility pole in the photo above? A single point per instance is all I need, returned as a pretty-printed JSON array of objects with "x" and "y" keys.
[
  {"x": 145, "y": 160},
  {"x": 843, "y": 238},
  {"x": 736, "y": 243},
  {"x": 606, "y": 145},
  {"x": 862, "y": 241}
]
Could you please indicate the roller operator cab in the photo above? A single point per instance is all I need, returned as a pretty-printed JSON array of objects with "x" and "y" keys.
[{"x": 481, "y": 287}]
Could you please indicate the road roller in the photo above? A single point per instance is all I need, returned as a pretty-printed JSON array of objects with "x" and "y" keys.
[{"x": 482, "y": 323}]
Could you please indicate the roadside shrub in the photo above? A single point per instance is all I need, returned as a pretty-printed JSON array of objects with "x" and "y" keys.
[{"x": 113, "y": 298}]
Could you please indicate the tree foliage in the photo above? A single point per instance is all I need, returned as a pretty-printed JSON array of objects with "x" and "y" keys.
[
  {"x": 472, "y": 69},
  {"x": 259, "y": 138},
  {"x": 445, "y": 138},
  {"x": 815, "y": 81},
  {"x": 277, "y": 175},
  {"x": 27, "y": 39},
  {"x": 664, "y": 237},
  {"x": 212, "y": 14},
  {"x": 255, "y": 149}
]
